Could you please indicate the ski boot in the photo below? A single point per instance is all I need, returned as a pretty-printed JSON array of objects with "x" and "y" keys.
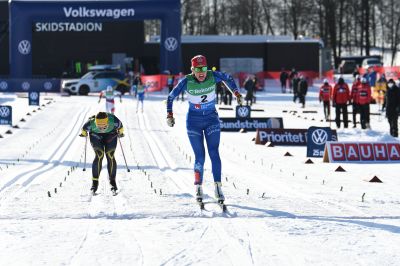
[
  {"x": 95, "y": 185},
  {"x": 199, "y": 196},
  {"x": 220, "y": 196},
  {"x": 114, "y": 191},
  {"x": 113, "y": 187},
  {"x": 199, "y": 193},
  {"x": 218, "y": 193}
]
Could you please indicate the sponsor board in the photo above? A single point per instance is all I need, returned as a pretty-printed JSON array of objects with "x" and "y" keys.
[
  {"x": 84, "y": 12},
  {"x": 26, "y": 85},
  {"x": 171, "y": 44},
  {"x": 243, "y": 111},
  {"x": 5, "y": 115},
  {"x": 250, "y": 124},
  {"x": 282, "y": 136},
  {"x": 316, "y": 139},
  {"x": 34, "y": 97},
  {"x": 362, "y": 152}
]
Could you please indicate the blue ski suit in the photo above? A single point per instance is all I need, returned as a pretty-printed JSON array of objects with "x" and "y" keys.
[{"x": 202, "y": 118}]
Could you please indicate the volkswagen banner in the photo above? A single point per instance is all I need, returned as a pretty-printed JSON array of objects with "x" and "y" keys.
[
  {"x": 26, "y": 85},
  {"x": 243, "y": 111},
  {"x": 5, "y": 115},
  {"x": 34, "y": 97},
  {"x": 317, "y": 138}
]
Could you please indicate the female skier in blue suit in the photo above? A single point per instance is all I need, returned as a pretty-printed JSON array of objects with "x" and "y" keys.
[{"x": 202, "y": 118}]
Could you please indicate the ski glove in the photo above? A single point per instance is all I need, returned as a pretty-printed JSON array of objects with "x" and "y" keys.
[
  {"x": 239, "y": 98},
  {"x": 83, "y": 133},
  {"x": 120, "y": 132},
  {"x": 170, "y": 119}
]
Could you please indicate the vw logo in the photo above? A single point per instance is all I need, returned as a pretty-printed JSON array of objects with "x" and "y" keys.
[
  {"x": 3, "y": 85},
  {"x": 25, "y": 86},
  {"x": 24, "y": 47},
  {"x": 4, "y": 111},
  {"x": 34, "y": 95},
  {"x": 171, "y": 44},
  {"x": 319, "y": 136},
  {"x": 243, "y": 111},
  {"x": 47, "y": 85}
]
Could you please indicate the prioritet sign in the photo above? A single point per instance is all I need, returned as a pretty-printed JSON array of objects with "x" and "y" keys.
[{"x": 282, "y": 136}]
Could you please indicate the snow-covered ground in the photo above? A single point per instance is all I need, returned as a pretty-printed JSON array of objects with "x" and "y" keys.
[{"x": 281, "y": 210}]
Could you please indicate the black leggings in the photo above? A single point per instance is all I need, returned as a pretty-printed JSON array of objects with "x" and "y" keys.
[{"x": 104, "y": 144}]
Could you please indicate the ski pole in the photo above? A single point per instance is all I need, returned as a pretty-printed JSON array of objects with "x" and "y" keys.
[
  {"x": 226, "y": 85},
  {"x": 84, "y": 165},
  {"x": 123, "y": 154}
]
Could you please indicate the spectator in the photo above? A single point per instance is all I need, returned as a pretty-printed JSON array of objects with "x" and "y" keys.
[
  {"x": 283, "y": 78},
  {"x": 302, "y": 90},
  {"x": 393, "y": 107},
  {"x": 356, "y": 109},
  {"x": 356, "y": 72},
  {"x": 325, "y": 93},
  {"x": 250, "y": 88},
  {"x": 170, "y": 81},
  {"x": 295, "y": 84},
  {"x": 292, "y": 75},
  {"x": 340, "y": 97},
  {"x": 219, "y": 93},
  {"x": 363, "y": 99},
  {"x": 372, "y": 76},
  {"x": 380, "y": 91}
]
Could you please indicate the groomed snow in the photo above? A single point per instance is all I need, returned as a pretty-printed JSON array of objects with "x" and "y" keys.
[{"x": 294, "y": 214}]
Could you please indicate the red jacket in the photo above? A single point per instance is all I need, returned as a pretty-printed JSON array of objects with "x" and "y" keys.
[
  {"x": 325, "y": 93},
  {"x": 364, "y": 94},
  {"x": 341, "y": 94},
  {"x": 354, "y": 89}
]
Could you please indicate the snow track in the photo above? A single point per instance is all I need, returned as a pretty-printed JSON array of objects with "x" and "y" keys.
[{"x": 276, "y": 215}]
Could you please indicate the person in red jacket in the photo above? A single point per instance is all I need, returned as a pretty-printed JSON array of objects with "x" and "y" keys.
[
  {"x": 354, "y": 88},
  {"x": 340, "y": 98},
  {"x": 325, "y": 93},
  {"x": 363, "y": 99}
]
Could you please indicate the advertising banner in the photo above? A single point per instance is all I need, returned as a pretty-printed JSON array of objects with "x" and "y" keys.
[
  {"x": 316, "y": 139},
  {"x": 250, "y": 124},
  {"x": 282, "y": 136},
  {"x": 34, "y": 97},
  {"x": 5, "y": 115},
  {"x": 243, "y": 111},
  {"x": 26, "y": 85},
  {"x": 362, "y": 152},
  {"x": 156, "y": 82}
]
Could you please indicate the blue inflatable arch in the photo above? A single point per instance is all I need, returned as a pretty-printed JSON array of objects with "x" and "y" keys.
[{"x": 25, "y": 12}]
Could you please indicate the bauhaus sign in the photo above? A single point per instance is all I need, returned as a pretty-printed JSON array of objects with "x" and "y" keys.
[{"x": 362, "y": 152}]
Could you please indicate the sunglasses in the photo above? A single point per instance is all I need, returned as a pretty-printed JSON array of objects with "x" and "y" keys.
[{"x": 200, "y": 69}]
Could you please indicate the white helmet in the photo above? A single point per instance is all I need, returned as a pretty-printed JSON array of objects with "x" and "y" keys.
[
  {"x": 326, "y": 81},
  {"x": 363, "y": 80},
  {"x": 109, "y": 88}
]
